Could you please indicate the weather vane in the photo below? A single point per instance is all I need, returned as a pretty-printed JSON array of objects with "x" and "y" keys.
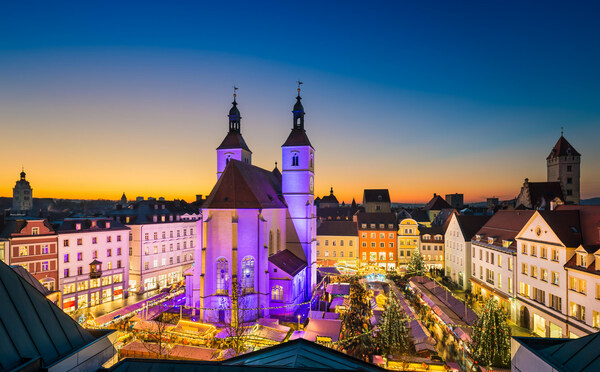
[
  {"x": 299, "y": 83},
  {"x": 234, "y": 92},
  {"x": 562, "y": 129}
]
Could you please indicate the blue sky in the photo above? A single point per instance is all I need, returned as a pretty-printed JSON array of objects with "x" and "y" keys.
[{"x": 419, "y": 97}]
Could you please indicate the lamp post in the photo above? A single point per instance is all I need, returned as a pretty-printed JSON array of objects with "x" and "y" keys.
[{"x": 298, "y": 322}]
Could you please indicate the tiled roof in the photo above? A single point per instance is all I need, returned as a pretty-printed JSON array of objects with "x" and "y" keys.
[
  {"x": 288, "y": 262},
  {"x": 376, "y": 196},
  {"x": 589, "y": 219},
  {"x": 245, "y": 186},
  {"x": 69, "y": 225},
  {"x": 33, "y": 327},
  {"x": 297, "y": 137},
  {"x": 562, "y": 148},
  {"x": 469, "y": 225},
  {"x": 233, "y": 140},
  {"x": 338, "y": 228},
  {"x": 419, "y": 215},
  {"x": 437, "y": 203},
  {"x": 542, "y": 193},
  {"x": 565, "y": 224},
  {"x": 377, "y": 219},
  {"x": 504, "y": 225}
]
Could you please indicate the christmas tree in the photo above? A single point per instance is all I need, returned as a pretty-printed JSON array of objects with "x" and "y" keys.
[
  {"x": 491, "y": 337},
  {"x": 356, "y": 335},
  {"x": 416, "y": 266},
  {"x": 392, "y": 334}
]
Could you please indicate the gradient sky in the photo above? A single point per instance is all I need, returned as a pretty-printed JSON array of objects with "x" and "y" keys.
[{"x": 99, "y": 97}]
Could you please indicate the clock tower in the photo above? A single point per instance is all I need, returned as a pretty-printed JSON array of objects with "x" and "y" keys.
[
  {"x": 233, "y": 146},
  {"x": 298, "y": 172}
]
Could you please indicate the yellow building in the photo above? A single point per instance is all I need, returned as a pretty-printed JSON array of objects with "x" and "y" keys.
[{"x": 408, "y": 240}]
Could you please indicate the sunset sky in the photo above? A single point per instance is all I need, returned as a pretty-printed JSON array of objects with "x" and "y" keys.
[{"x": 98, "y": 98}]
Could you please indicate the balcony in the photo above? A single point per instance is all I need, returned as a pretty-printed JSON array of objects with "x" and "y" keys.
[{"x": 95, "y": 269}]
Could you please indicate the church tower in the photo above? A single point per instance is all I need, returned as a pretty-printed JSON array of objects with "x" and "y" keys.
[
  {"x": 298, "y": 171},
  {"x": 22, "y": 195},
  {"x": 233, "y": 146},
  {"x": 563, "y": 166}
]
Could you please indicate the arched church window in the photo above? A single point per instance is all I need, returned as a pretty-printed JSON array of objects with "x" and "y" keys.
[
  {"x": 311, "y": 159},
  {"x": 227, "y": 160},
  {"x": 278, "y": 240},
  {"x": 295, "y": 159},
  {"x": 271, "y": 248},
  {"x": 277, "y": 293},
  {"x": 222, "y": 275},
  {"x": 248, "y": 274}
]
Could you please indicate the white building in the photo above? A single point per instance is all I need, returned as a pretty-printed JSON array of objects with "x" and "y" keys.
[
  {"x": 559, "y": 272},
  {"x": 161, "y": 241},
  {"x": 457, "y": 242},
  {"x": 494, "y": 256},
  {"x": 337, "y": 243},
  {"x": 93, "y": 261}
]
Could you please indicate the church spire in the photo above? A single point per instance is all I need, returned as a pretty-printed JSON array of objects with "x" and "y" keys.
[
  {"x": 234, "y": 114},
  {"x": 298, "y": 111}
]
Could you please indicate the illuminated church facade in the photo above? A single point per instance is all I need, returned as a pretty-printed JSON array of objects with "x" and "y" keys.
[{"x": 258, "y": 248}]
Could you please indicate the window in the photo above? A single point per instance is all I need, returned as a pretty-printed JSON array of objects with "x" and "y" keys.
[
  {"x": 569, "y": 168},
  {"x": 80, "y": 270},
  {"x": 66, "y": 243},
  {"x": 80, "y": 241},
  {"x": 277, "y": 293},
  {"x": 391, "y": 235},
  {"x": 146, "y": 236},
  {"x": 326, "y": 242},
  {"x": 510, "y": 285},
  {"x": 372, "y": 256},
  {"x": 350, "y": 243},
  {"x": 66, "y": 258},
  {"x": 373, "y": 235},
  {"x": 533, "y": 251},
  {"x": 295, "y": 159},
  {"x": 555, "y": 302},
  {"x": 326, "y": 253},
  {"x": 391, "y": 245},
  {"x": 581, "y": 260},
  {"x": 79, "y": 256},
  {"x": 364, "y": 235},
  {"x": 372, "y": 244},
  {"x": 577, "y": 311},
  {"x": 155, "y": 263},
  {"x": 342, "y": 254},
  {"x": 499, "y": 280},
  {"x": 146, "y": 265},
  {"x": 118, "y": 251},
  {"x": 489, "y": 276},
  {"x": 381, "y": 236},
  {"x": 94, "y": 240},
  {"x": 510, "y": 264},
  {"x": 351, "y": 254},
  {"x": 524, "y": 269},
  {"x": 544, "y": 252},
  {"x": 382, "y": 245},
  {"x": 492, "y": 258},
  {"x": 222, "y": 275},
  {"x": 35, "y": 231},
  {"x": 109, "y": 252},
  {"x": 248, "y": 274},
  {"x": 499, "y": 261},
  {"x": 66, "y": 273},
  {"x": 364, "y": 256},
  {"x": 544, "y": 275},
  {"x": 118, "y": 238},
  {"x": 108, "y": 239},
  {"x": 364, "y": 244},
  {"x": 524, "y": 249},
  {"x": 555, "y": 255},
  {"x": 118, "y": 264},
  {"x": 539, "y": 295},
  {"x": 45, "y": 266},
  {"x": 341, "y": 243},
  {"x": 554, "y": 278},
  {"x": 381, "y": 256}
]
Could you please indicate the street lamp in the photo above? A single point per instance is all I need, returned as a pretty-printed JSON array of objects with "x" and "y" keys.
[{"x": 298, "y": 321}]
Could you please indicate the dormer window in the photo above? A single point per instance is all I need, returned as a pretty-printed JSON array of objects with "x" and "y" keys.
[
  {"x": 155, "y": 206},
  {"x": 438, "y": 237},
  {"x": 35, "y": 231},
  {"x": 162, "y": 218},
  {"x": 154, "y": 218},
  {"x": 478, "y": 237},
  {"x": 381, "y": 226},
  {"x": 427, "y": 237},
  {"x": 506, "y": 243},
  {"x": 491, "y": 240},
  {"x": 364, "y": 225},
  {"x": 581, "y": 260},
  {"x": 77, "y": 226},
  {"x": 108, "y": 225},
  {"x": 372, "y": 225}
]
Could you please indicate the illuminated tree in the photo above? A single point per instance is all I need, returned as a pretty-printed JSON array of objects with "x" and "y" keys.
[
  {"x": 416, "y": 266},
  {"x": 356, "y": 333},
  {"x": 392, "y": 334},
  {"x": 491, "y": 337}
]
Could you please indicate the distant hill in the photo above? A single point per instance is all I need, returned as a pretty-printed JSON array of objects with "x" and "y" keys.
[{"x": 592, "y": 201}]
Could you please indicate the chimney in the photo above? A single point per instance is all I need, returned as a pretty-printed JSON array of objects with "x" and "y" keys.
[
  {"x": 198, "y": 197},
  {"x": 139, "y": 199}
]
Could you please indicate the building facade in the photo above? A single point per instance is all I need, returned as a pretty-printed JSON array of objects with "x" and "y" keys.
[
  {"x": 377, "y": 239},
  {"x": 93, "y": 261},
  {"x": 408, "y": 240},
  {"x": 431, "y": 246},
  {"x": 161, "y": 241},
  {"x": 337, "y": 244},
  {"x": 31, "y": 243},
  {"x": 494, "y": 259},
  {"x": 457, "y": 241}
]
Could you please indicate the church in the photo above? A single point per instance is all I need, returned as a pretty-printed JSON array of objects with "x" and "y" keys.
[{"x": 257, "y": 253}]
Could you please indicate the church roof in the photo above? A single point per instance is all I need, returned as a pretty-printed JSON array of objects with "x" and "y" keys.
[
  {"x": 562, "y": 148},
  {"x": 32, "y": 327},
  {"x": 437, "y": 203},
  {"x": 234, "y": 140},
  {"x": 245, "y": 186},
  {"x": 288, "y": 262},
  {"x": 297, "y": 137}
]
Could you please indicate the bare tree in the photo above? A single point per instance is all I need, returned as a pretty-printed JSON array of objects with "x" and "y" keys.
[
  {"x": 155, "y": 337},
  {"x": 238, "y": 329}
]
